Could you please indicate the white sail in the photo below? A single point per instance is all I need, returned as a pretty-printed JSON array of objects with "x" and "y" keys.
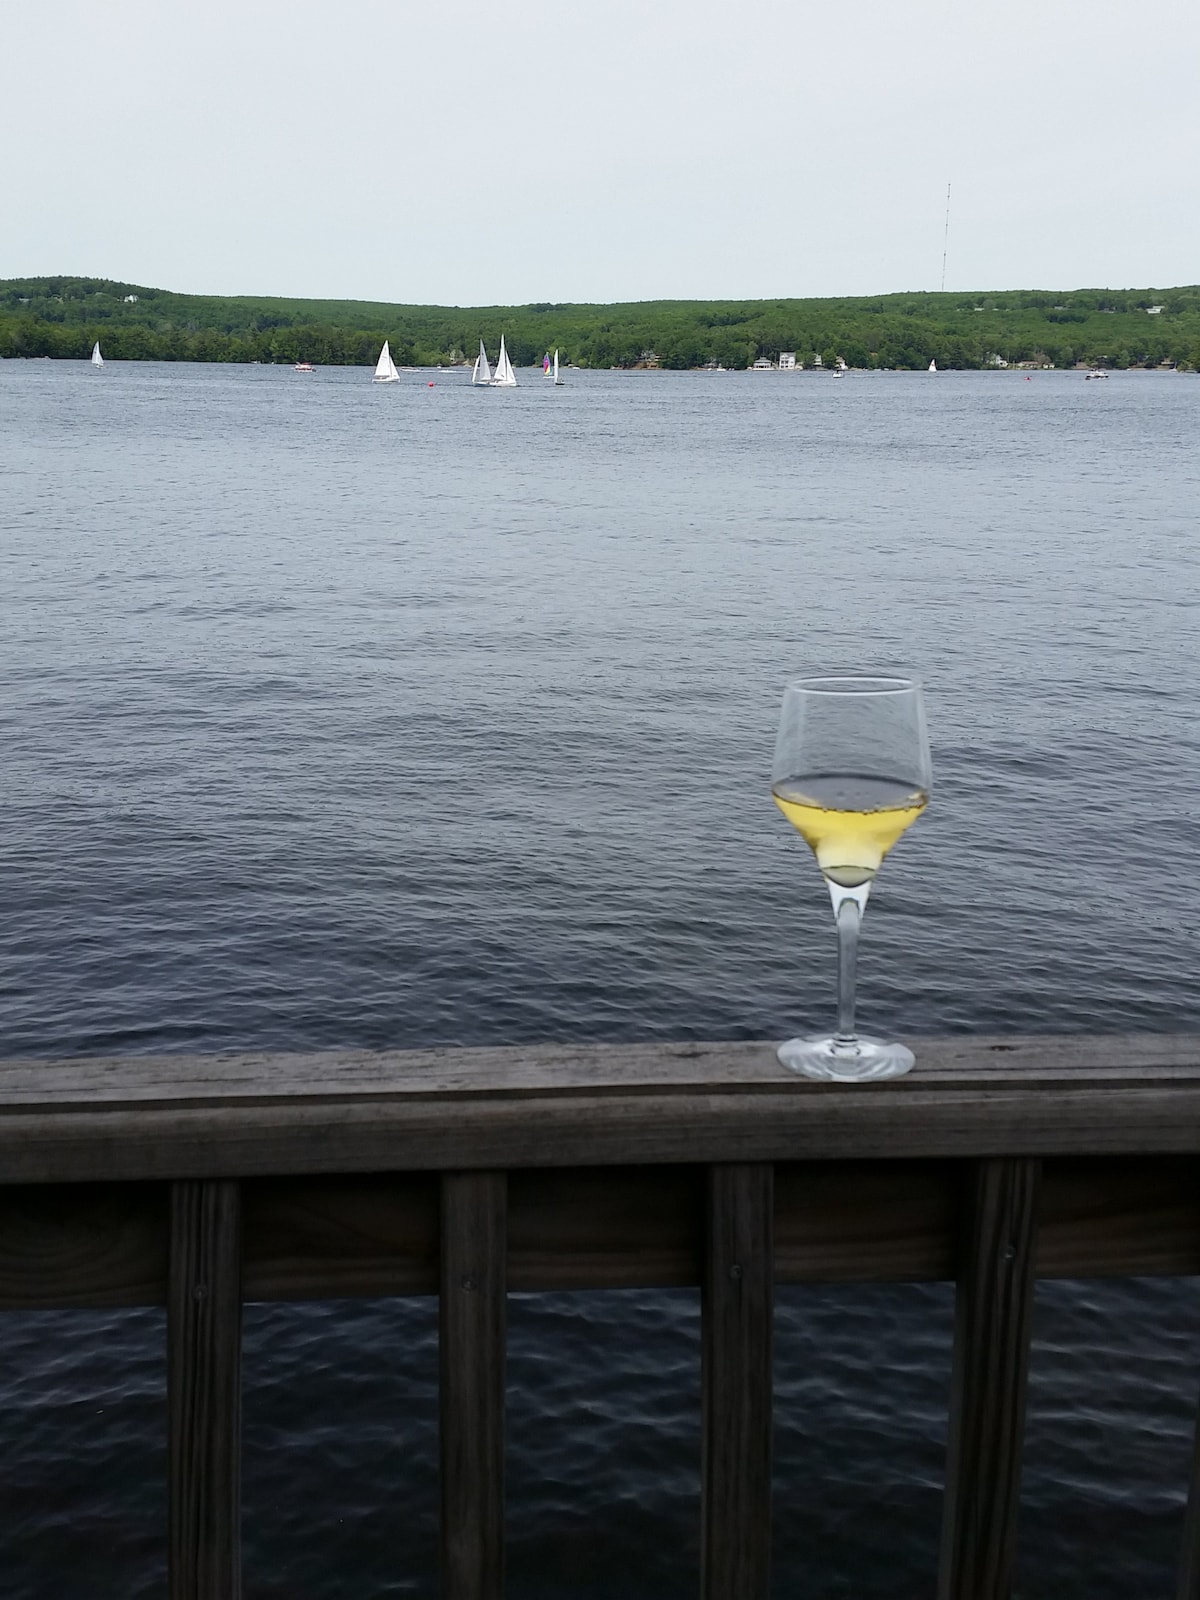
[
  {"x": 385, "y": 367},
  {"x": 482, "y": 372},
  {"x": 97, "y": 358},
  {"x": 933, "y": 366},
  {"x": 505, "y": 377},
  {"x": 557, "y": 379}
]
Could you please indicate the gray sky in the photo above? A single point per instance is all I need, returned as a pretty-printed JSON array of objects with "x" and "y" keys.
[{"x": 464, "y": 152}]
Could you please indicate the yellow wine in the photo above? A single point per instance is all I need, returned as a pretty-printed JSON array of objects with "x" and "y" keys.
[{"x": 850, "y": 821}]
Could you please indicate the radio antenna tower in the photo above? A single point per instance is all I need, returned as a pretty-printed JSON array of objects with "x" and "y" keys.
[{"x": 946, "y": 239}]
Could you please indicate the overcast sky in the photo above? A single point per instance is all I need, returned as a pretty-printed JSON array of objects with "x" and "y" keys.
[{"x": 462, "y": 152}]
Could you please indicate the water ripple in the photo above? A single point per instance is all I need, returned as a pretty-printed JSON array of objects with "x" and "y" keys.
[{"x": 332, "y": 718}]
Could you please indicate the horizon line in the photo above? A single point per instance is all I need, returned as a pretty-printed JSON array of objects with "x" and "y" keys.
[{"x": 127, "y": 283}]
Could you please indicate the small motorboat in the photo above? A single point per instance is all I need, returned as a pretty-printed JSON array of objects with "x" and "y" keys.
[
  {"x": 304, "y": 366},
  {"x": 1096, "y": 372}
]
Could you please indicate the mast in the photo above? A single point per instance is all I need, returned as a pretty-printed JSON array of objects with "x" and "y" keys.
[
  {"x": 505, "y": 377},
  {"x": 385, "y": 368}
]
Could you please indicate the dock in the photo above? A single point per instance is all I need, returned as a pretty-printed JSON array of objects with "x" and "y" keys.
[{"x": 200, "y": 1183}]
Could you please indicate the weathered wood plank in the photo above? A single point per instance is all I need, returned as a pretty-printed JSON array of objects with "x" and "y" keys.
[
  {"x": 204, "y": 1401},
  {"x": 1123, "y": 1216},
  {"x": 605, "y": 1227},
  {"x": 472, "y": 1367},
  {"x": 563, "y": 1070},
  {"x": 83, "y": 1245},
  {"x": 866, "y": 1221},
  {"x": 738, "y": 1314},
  {"x": 594, "y": 1106},
  {"x": 325, "y": 1237},
  {"x": 652, "y": 1130},
  {"x": 321, "y": 1237},
  {"x": 991, "y": 1357}
]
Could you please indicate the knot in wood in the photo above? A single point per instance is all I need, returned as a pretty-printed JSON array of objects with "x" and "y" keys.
[
  {"x": 468, "y": 1284},
  {"x": 735, "y": 1272},
  {"x": 200, "y": 1292}
]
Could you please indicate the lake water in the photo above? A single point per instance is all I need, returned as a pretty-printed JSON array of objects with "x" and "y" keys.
[{"x": 335, "y": 714}]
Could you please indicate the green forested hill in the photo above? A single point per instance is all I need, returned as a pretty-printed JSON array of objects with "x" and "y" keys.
[{"x": 62, "y": 316}]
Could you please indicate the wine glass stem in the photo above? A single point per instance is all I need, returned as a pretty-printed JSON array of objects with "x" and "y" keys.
[{"x": 849, "y": 919}]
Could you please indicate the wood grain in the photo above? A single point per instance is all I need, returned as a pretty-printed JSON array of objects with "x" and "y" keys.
[
  {"x": 323, "y": 1236},
  {"x": 83, "y": 1245},
  {"x": 601, "y": 1105},
  {"x": 605, "y": 1227},
  {"x": 738, "y": 1315},
  {"x": 994, "y": 1316},
  {"x": 518, "y": 1071},
  {"x": 327, "y": 1237},
  {"x": 866, "y": 1221},
  {"x": 204, "y": 1398},
  {"x": 1128, "y": 1216},
  {"x": 472, "y": 1367}
]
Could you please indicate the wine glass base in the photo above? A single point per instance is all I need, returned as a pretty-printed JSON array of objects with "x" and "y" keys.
[{"x": 820, "y": 1056}]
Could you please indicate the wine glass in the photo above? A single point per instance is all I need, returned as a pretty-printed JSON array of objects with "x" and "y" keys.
[{"x": 851, "y": 774}]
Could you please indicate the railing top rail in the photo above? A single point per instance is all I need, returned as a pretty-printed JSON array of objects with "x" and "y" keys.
[
  {"x": 564, "y": 1070},
  {"x": 562, "y": 1105}
]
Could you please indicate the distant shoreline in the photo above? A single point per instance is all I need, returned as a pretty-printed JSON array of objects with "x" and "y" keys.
[
  {"x": 63, "y": 317},
  {"x": 534, "y": 368}
]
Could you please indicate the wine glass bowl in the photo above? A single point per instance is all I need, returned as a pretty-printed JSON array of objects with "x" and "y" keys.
[{"x": 851, "y": 774}]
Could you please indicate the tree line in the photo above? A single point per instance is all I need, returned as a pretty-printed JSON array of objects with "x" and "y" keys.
[{"x": 62, "y": 317}]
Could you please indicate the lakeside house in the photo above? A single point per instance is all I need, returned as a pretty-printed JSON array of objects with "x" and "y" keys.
[
  {"x": 763, "y": 364},
  {"x": 787, "y": 361}
]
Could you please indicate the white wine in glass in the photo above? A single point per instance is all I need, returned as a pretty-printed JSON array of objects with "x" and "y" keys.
[{"x": 851, "y": 774}]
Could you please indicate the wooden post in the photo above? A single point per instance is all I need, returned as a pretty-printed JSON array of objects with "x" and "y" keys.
[
  {"x": 738, "y": 1314},
  {"x": 204, "y": 1396},
  {"x": 471, "y": 1351},
  {"x": 993, "y": 1321}
]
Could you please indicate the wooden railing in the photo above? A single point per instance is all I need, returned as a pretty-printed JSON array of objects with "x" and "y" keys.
[{"x": 204, "y": 1182}]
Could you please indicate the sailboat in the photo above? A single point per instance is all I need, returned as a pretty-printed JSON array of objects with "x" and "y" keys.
[
  {"x": 546, "y": 365},
  {"x": 97, "y": 358},
  {"x": 932, "y": 366},
  {"x": 385, "y": 367},
  {"x": 482, "y": 372},
  {"x": 505, "y": 377},
  {"x": 558, "y": 383}
]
